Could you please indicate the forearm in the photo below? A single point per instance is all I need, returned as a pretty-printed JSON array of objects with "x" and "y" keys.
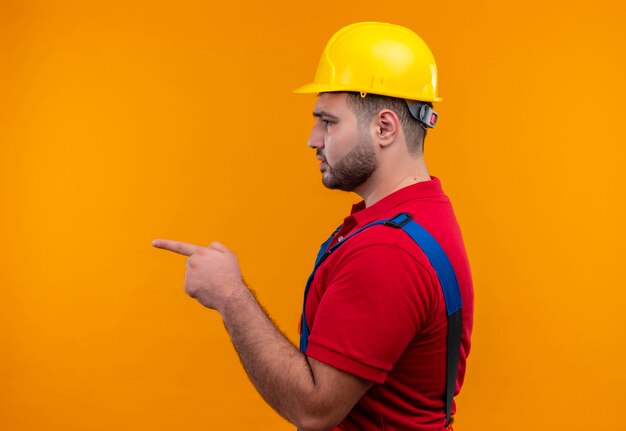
[
  {"x": 279, "y": 371},
  {"x": 309, "y": 393}
]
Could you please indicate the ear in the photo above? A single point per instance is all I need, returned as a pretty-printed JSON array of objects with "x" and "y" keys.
[{"x": 386, "y": 127}]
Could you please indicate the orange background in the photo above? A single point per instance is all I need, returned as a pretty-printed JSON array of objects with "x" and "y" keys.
[{"x": 125, "y": 121}]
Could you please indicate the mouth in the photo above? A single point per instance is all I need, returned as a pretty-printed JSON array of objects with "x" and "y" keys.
[{"x": 323, "y": 162}]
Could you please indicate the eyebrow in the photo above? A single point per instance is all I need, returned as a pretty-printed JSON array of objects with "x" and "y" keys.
[{"x": 318, "y": 114}]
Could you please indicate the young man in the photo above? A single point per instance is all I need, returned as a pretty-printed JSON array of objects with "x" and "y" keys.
[{"x": 378, "y": 331}]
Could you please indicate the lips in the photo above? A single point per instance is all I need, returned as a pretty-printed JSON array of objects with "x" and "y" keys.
[{"x": 323, "y": 162}]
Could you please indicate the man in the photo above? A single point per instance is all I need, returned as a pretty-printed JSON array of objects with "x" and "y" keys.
[{"x": 376, "y": 338}]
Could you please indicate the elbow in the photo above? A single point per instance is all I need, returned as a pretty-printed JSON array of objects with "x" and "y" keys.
[
  {"x": 324, "y": 420},
  {"x": 315, "y": 424}
]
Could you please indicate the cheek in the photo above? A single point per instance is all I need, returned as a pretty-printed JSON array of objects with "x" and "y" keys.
[
  {"x": 330, "y": 151},
  {"x": 334, "y": 146}
]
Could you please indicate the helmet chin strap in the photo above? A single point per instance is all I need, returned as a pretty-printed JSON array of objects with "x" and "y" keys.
[{"x": 423, "y": 113}]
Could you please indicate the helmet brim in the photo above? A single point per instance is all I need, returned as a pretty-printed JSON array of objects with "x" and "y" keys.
[{"x": 316, "y": 88}]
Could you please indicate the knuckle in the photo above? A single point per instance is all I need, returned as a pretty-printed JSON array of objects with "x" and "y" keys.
[{"x": 215, "y": 245}]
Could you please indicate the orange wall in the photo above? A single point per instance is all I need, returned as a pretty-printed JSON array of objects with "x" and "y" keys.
[{"x": 125, "y": 121}]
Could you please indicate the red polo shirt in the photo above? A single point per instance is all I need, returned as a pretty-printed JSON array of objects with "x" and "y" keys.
[{"x": 375, "y": 309}]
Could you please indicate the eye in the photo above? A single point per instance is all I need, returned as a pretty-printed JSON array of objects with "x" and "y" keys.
[{"x": 327, "y": 123}]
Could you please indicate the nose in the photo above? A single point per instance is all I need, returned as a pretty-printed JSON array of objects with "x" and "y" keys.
[{"x": 316, "y": 139}]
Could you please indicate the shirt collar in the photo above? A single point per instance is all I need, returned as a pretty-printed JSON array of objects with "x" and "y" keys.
[{"x": 360, "y": 215}]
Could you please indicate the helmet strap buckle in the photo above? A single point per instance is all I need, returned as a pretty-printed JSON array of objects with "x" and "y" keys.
[{"x": 423, "y": 113}]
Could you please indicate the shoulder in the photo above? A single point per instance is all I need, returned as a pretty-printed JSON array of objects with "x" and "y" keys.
[
  {"x": 383, "y": 260},
  {"x": 378, "y": 276},
  {"x": 381, "y": 244}
]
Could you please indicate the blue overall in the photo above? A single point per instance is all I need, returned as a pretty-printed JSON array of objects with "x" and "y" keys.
[{"x": 447, "y": 279}]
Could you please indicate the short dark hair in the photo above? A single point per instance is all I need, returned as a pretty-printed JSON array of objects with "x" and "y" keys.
[{"x": 366, "y": 107}]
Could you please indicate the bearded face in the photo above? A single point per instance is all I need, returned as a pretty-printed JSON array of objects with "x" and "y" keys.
[{"x": 353, "y": 169}]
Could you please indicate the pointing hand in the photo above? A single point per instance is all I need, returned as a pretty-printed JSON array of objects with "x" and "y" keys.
[{"x": 213, "y": 273}]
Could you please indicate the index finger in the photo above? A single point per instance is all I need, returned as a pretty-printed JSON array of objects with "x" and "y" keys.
[{"x": 179, "y": 247}]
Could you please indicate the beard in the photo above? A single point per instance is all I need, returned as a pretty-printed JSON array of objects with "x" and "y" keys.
[{"x": 353, "y": 169}]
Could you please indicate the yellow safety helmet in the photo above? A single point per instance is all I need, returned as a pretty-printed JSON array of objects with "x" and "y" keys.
[{"x": 377, "y": 58}]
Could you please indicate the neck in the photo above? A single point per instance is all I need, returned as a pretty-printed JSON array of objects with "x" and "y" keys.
[{"x": 387, "y": 180}]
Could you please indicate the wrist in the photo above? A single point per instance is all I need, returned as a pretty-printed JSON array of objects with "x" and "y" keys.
[{"x": 235, "y": 300}]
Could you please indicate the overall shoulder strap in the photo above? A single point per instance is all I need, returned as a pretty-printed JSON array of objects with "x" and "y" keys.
[
  {"x": 451, "y": 293},
  {"x": 435, "y": 255},
  {"x": 304, "y": 327}
]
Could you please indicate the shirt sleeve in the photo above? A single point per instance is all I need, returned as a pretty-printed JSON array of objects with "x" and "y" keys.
[{"x": 377, "y": 299}]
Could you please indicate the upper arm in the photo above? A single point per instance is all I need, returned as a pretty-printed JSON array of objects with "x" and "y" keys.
[{"x": 375, "y": 303}]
